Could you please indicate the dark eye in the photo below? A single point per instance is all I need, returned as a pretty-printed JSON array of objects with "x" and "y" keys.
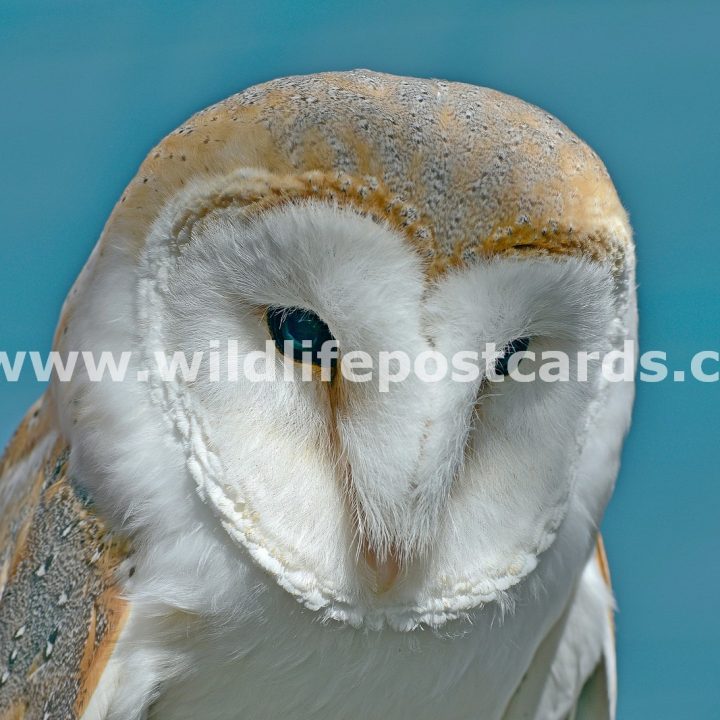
[
  {"x": 304, "y": 329},
  {"x": 516, "y": 346}
]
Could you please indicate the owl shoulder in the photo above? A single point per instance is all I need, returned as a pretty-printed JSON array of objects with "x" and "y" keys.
[{"x": 61, "y": 605}]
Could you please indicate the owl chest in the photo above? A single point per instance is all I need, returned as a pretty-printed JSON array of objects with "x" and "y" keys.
[{"x": 299, "y": 670}]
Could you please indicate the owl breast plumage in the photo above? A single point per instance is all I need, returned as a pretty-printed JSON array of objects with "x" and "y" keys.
[{"x": 213, "y": 545}]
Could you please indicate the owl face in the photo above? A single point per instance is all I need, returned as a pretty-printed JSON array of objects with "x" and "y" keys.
[
  {"x": 402, "y": 219},
  {"x": 379, "y": 495}
]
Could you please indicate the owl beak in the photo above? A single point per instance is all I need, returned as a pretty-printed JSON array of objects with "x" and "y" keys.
[{"x": 385, "y": 571}]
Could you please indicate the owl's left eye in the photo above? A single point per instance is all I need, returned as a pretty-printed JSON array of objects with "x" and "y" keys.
[
  {"x": 516, "y": 346},
  {"x": 303, "y": 330}
]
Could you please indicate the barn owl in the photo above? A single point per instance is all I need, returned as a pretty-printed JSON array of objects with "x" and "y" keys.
[{"x": 217, "y": 547}]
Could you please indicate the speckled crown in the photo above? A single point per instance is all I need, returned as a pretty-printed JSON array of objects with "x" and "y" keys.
[{"x": 462, "y": 171}]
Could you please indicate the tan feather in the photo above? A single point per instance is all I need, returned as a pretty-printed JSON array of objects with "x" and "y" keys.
[{"x": 61, "y": 605}]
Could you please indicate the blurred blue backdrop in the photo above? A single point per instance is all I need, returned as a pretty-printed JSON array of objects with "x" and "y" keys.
[{"x": 88, "y": 87}]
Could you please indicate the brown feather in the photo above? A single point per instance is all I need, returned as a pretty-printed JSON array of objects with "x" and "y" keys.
[{"x": 62, "y": 608}]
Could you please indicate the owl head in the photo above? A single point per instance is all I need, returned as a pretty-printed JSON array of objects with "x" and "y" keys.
[{"x": 400, "y": 218}]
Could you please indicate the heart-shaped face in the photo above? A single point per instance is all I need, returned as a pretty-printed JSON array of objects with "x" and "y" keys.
[{"x": 408, "y": 500}]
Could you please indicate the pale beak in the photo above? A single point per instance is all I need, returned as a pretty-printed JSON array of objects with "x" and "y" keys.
[{"x": 385, "y": 571}]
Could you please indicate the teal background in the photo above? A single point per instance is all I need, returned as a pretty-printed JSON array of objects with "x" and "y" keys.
[{"x": 87, "y": 88}]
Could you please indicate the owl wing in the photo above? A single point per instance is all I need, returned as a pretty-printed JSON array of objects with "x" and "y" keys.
[
  {"x": 598, "y": 696},
  {"x": 61, "y": 608},
  {"x": 572, "y": 674}
]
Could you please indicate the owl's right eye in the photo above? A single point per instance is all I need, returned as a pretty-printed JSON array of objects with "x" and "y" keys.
[
  {"x": 303, "y": 330},
  {"x": 516, "y": 346}
]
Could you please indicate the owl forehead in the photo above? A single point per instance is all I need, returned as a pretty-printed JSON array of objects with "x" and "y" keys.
[{"x": 256, "y": 192}]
